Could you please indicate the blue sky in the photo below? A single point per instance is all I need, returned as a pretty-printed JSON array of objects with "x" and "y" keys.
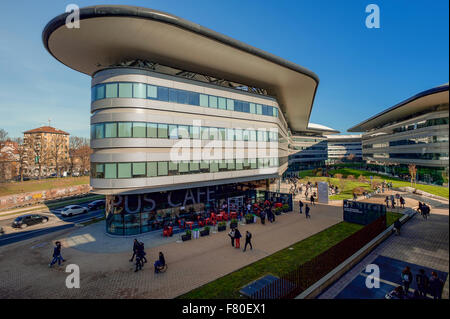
[{"x": 362, "y": 71}]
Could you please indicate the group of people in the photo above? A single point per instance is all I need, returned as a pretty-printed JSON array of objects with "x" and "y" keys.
[
  {"x": 235, "y": 236},
  {"x": 425, "y": 285},
  {"x": 424, "y": 210},
  {"x": 393, "y": 199},
  {"x": 307, "y": 208},
  {"x": 139, "y": 253}
]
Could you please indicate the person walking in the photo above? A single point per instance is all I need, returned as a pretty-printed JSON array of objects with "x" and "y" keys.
[
  {"x": 248, "y": 240},
  {"x": 231, "y": 234},
  {"x": 312, "y": 200},
  {"x": 263, "y": 217},
  {"x": 402, "y": 201},
  {"x": 422, "y": 283},
  {"x": 300, "y": 204},
  {"x": 141, "y": 253},
  {"x": 307, "y": 211},
  {"x": 57, "y": 257},
  {"x": 135, "y": 248},
  {"x": 406, "y": 279},
  {"x": 237, "y": 238},
  {"x": 386, "y": 200},
  {"x": 435, "y": 285}
]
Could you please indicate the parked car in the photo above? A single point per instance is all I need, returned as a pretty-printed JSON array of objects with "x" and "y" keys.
[
  {"x": 29, "y": 220},
  {"x": 96, "y": 204},
  {"x": 72, "y": 210}
]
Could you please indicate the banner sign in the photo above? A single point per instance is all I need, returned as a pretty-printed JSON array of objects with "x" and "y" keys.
[{"x": 362, "y": 213}]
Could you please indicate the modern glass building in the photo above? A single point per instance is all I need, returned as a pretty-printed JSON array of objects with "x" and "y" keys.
[
  {"x": 182, "y": 116},
  {"x": 309, "y": 148},
  {"x": 415, "y": 131},
  {"x": 344, "y": 148}
]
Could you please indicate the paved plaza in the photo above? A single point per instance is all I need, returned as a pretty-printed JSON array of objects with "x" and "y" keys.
[
  {"x": 422, "y": 244},
  {"x": 107, "y": 273}
]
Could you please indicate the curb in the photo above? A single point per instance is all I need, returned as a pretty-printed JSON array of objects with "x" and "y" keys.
[{"x": 318, "y": 287}]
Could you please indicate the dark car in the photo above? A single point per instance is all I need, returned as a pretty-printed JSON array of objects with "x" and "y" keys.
[
  {"x": 96, "y": 204},
  {"x": 29, "y": 220}
]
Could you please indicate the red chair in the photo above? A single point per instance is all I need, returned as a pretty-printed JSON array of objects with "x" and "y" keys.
[
  {"x": 190, "y": 224},
  {"x": 225, "y": 216},
  {"x": 233, "y": 215},
  {"x": 201, "y": 223},
  {"x": 167, "y": 232},
  {"x": 219, "y": 217},
  {"x": 181, "y": 223}
]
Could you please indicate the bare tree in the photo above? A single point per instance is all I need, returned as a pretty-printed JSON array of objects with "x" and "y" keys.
[
  {"x": 3, "y": 135},
  {"x": 75, "y": 143},
  {"x": 79, "y": 149},
  {"x": 21, "y": 158}
]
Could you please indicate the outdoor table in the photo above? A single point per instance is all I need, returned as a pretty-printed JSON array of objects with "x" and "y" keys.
[{"x": 190, "y": 224}]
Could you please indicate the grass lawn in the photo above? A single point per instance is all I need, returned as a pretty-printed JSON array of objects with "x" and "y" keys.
[
  {"x": 432, "y": 189},
  {"x": 276, "y": 264},
  {"x": 391, "y": 217},
  {"x": 44, "y": 184}
]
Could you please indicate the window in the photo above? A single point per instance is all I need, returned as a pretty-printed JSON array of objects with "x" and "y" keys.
[
  {"x": 230, "y": 134},
  {"x": 163, "y": 94},
  {"x": 246, "y": 107},
  {"x": 100, "y": 92},
  {"x": 152, "y": 92},
  {"x": 253, "y": 108},
  {"x": 125, "y": 129},
  {"x": 110, "y": 170},
  {"x": 205, "y": 133},
  {"x": 173, "y": 131},
  {"x": 275, "y": 111},
  {"x": 214, "y": 166},
  {"x": 194, "y": 166},
  {"x": 110, "y": 130},
  {"x": 238, "y": 134},
  {"x": 162, "y": 168},
  {"x": 124, "y": 170},
  {"x": 252, "y": 134},
  {"x": 139, "y": 91},
  {"x": 183, "y": 131},
  {"x": 230, "y": 104},
  {"x": 230, "y": 165},
  {"x": 259, "y": 109},
  {"x": 173, "y": 95},
  {"x": 152, "y": 130},
  {"x": 239, "y": 164},
  {"x": 99, "y": 131},
  {"x": 163, "y": 131},
  {"x": 222, "y": 134},
  {"x": 246, "y": 135},
  {"x": 238, "y": 106},
  {"x": 99, "y": 171},
  {"x": 111, "y": 90},
  {"x": 204, "y": 166},
  {"x": 173, "y": 168},
  {"x": 213, "y": 135},
  {"x": 138, "y": 170},
  {"x": 194, "y": 132},
  {"x": 222, "y": 165},
  {"x": 183, "y": 97},
  {"x": 183, "y": 167},
  {"x": 204, "y": 100},
  {"x": 194, "y": 98},
  {"x": 253, "y": 163},
  {"x": 152, "y": 169},
  {"x": 125, "y": 90},
  {"x": 222, "y": 103},
  {"x": 139, "y": 129},
  {"x": 246, "y": 163},
  {"x": 213, "y": 101}
]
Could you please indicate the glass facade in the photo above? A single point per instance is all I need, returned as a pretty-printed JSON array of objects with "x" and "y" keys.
[
  {"x": 176, "y": 131},
  {"x": 171, "y": 168},
  {"x": 160, "y": 93}
]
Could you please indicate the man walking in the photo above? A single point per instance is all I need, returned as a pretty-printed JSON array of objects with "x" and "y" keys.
[
  {"x": 300, "y": 204},
  {"x": 231, "y": 234},
  {"x": 248, "y": 240},
  {"x": 135, "y": 248},
  {"x": 402, "y": 201},
  {"x": 307, "y": 211},
  {"x": 312, "y": 200},
  {"x": 57, "y": 257}
]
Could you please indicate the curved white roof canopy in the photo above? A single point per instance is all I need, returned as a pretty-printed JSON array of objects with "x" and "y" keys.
[
  {"x": 109, "y": 35},
  {"x": 313, "y": 127},
  {"x": 420, "y": 102}
]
